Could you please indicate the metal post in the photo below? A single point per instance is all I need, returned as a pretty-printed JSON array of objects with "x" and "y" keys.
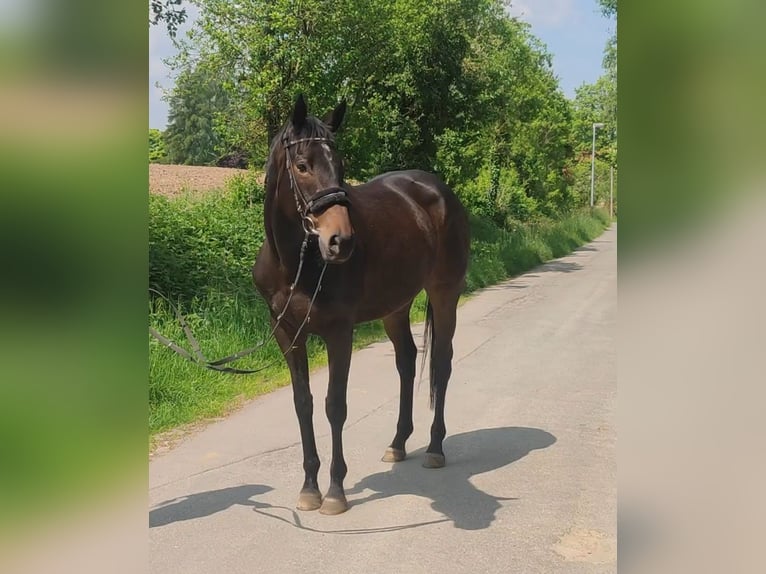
[{"x": 611, "y": 191}]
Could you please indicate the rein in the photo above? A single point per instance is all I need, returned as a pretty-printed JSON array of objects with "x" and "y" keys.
[
  {"x": 321, "y": 200},
  {"x": 218, "y": 365}
]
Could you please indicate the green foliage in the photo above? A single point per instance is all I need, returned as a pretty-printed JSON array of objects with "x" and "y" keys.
[
  {"x": 608, "y": 7},
  {"x": 498, "y": 253},
  {"x": 581, "y": 183},
  {"x": 169, "y": 12},
  {"x": 521, "y": 127},
  {"x": 597, "y": 103},
  {"x": 193, "y": 136},
  {"x": 455, "y": 86},
  {"x": 157, "y": 152},
  {"x": 205, "y": 244}
]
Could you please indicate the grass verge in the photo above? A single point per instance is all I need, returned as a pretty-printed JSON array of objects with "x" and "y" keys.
[{"x": 201, "y": 249}]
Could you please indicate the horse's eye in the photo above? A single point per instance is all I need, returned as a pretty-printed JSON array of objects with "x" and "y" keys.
[{"x": 302, "y": 167}]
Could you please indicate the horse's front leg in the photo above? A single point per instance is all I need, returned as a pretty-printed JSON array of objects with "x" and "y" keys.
[
  {"x": 297, "y": 360},
  {"x": 339, "y": 359}
]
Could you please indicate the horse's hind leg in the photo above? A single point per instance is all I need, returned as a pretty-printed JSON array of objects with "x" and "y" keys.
[
  {"x": 444, "y": 317},
  {"x": 397, "y": 327}
]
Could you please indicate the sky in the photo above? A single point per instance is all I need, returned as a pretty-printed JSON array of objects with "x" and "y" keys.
[{"x": 574, "y": 31}]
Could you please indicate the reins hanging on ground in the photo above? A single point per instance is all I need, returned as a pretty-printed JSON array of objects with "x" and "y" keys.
[{"x": 199, "y": 358}]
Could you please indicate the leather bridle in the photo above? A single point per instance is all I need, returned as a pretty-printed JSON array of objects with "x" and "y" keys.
[{"x": 320, "y": 200}]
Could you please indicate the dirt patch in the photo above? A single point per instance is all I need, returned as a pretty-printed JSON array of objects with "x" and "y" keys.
[
  {"x": 582, "y": 545},
  {"x": 172, "y": 180}
]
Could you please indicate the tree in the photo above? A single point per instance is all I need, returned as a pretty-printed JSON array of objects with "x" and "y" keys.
[
  {"x": 519, "y": 118},
  {"x": 455, "y": 86},
  {"x": 594, "y": 103},
  {"x": 608, "y": 7},
  {"x": 157, "y": 152},
  {"x": 597, "y": 102},
  {"x": 397, "y": 63},
  {"x": 192, "y": 136},
  {"x": 168, "y": 11}
]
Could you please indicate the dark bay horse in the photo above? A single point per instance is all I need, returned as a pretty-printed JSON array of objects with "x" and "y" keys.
[{"x": 372, "y": 247}]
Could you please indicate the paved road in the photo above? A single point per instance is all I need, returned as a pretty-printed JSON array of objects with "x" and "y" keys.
[{"x": 530, "y": 481}]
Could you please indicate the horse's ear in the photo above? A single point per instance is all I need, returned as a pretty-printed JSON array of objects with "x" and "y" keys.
[
  {"x": 334, "y": 118},
  {"x": 299, "y": 113}
]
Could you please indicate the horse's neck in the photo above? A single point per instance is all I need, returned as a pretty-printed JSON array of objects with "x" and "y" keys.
[{"x": 283, "y": 226}]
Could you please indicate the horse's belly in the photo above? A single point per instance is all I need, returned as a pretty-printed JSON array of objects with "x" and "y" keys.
[
  {"x": 399, "y": 239},
  {"x": 390, "y": 287}
]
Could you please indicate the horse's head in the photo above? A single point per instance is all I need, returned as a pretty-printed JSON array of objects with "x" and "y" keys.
[{"x": 315, "y": 171}]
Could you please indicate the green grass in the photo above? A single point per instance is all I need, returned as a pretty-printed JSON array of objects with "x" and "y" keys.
[{"x": 201, "y": 250}]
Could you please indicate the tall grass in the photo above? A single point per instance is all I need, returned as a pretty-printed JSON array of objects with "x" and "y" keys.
[
  {"x": 201, "y": 251},
  {"x": 498, "y": 253}
]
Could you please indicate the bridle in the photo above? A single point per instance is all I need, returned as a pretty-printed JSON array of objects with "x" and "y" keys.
[{"x": 322, "y": 199}]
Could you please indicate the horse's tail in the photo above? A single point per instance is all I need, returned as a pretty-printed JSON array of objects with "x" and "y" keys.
[{"x": 428, "y": 349}]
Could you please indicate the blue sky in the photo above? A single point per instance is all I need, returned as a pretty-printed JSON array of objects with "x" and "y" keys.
[{"x": 574, "y": 31}]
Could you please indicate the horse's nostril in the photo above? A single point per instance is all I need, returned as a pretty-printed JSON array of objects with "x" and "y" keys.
[
  {"x": 334, "y": 244},
  {"x": 340, "y": 245}
]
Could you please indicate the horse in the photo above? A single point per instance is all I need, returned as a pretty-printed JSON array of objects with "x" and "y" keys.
[{"x": 335, "y": 255}]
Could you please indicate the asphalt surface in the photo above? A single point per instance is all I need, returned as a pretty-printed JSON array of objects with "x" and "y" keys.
[{"x": 530, "y": 481}]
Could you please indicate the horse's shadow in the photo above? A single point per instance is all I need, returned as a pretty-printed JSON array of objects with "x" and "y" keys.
[
  {"x": 204, "y": 503},
  {"x": 450, "y": 490}
]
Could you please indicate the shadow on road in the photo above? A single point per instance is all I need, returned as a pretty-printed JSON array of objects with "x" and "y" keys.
[
  {"x": 451, "y": 493},
  {"x": 204, "y": 503},
  {"x": 559, "y": 266},
  {"x": 505, "y": 286},
  {"x": 550, "y": 266}
]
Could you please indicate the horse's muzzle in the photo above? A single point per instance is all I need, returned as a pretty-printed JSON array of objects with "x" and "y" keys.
[{"x": 338, "y": 249}]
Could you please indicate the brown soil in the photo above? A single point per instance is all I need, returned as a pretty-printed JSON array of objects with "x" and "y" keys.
[{"x": 172, "y": 180}]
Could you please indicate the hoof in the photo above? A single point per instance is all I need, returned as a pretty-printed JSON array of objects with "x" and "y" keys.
[
  {"x": 433, "y": 460},
  {"x": 309, "y": 499},
  {"x": 332, "y": 506},
  {"x": 394, "y": 455}
]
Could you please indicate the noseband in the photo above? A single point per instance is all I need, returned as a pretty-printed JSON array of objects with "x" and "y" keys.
[{"x": 322, "y": 199}]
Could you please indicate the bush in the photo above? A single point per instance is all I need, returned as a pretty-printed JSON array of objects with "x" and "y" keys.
[
  {"x": 208, "y": 243},
  {"x": 580, "y": 188},
  {"x": 157, "y": 152}
]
